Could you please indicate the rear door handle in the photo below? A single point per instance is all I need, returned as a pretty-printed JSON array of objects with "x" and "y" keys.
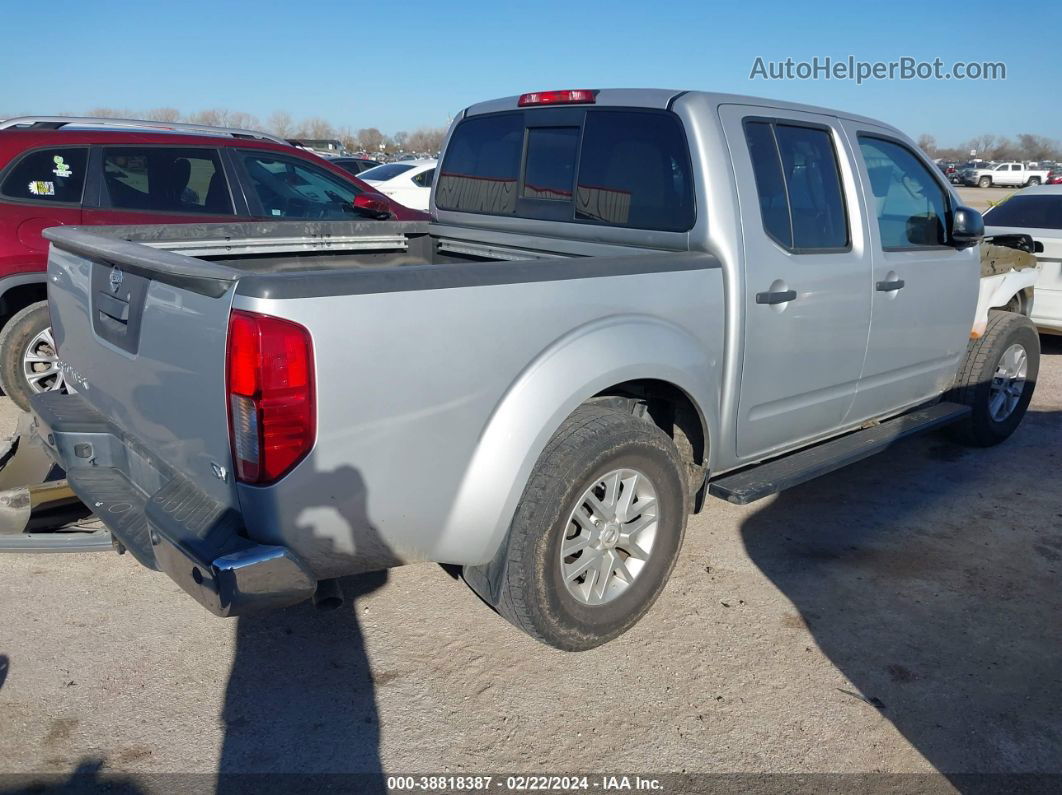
[
  {"x": 888, "y": 287},
  {"x": 782, "y": 297}
]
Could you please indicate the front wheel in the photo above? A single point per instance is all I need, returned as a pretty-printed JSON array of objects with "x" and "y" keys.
[
  {"x": 997, "y": 379},
  {"x": 29, "y": 363},
  {"x": 984, "y": 182},
  {"x": 597, "y": 531}
]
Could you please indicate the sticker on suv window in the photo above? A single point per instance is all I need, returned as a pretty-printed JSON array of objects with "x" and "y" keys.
[
  {"x": 40, "y": 187},
  {"x": 61, "y": 169}
]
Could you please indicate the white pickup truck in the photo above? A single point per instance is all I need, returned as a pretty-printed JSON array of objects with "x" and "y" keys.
[
  {"x": 627, "y": 301},
  {"x": 1008, "y": 175}
]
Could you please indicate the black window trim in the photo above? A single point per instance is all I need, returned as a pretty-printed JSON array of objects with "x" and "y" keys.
[
  {"x": 772, "y": 122},
  {"x": 15, "y": 161},
  {"x": 934, "y": 175},
  {"x": 100, "y": 184},
  {"x": 545, "y": 209}
]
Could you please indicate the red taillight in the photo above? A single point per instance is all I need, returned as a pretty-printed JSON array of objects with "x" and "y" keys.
[
  {"x": 570, "y": 97},
  {"x": 272, "y": 407}
]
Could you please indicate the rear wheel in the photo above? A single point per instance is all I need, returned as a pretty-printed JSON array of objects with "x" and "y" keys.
[
  {"x": 29, "y": 363},
  {"x": 997, "y": 380},
  {"x": 597, "y": 531},
  {"x": 1034, "y": 181}
]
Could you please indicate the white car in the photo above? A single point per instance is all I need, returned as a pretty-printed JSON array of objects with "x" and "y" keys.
[
  {"x": 1037, "y": 211},
  {"x": 408, "y": 182}
]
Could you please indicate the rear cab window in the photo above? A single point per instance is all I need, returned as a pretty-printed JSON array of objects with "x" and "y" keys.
[
  {"x": 55, "y": 175},
  {"x": 617, "y": 167}
]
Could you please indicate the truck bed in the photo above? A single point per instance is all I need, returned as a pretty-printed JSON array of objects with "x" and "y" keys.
[{"x": 428, "y": 342}]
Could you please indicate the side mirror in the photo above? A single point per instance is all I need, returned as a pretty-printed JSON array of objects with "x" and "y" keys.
[
  {"x": 373, "y": 205},
  {"x": 967, "y": 227}
]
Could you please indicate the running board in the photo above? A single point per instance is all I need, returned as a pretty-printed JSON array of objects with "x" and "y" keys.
[{"x": 793, "y": 469}]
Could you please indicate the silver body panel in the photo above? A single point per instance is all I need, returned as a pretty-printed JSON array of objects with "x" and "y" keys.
[{"x": 437, "y": 392}]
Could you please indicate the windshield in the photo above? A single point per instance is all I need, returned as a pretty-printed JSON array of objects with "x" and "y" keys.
[
  {"x": 1034, "y": 211},
  {"x": 385, "y": 172}
]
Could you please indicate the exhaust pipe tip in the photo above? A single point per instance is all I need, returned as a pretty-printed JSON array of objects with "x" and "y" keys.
[{"x": 328, "y": 595}]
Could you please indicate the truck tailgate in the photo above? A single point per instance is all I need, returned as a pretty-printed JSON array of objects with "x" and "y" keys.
[{"x": 142, "y": 338}]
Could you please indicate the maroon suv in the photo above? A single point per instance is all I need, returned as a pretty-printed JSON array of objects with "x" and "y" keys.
[{"x": 58, "y": 171}]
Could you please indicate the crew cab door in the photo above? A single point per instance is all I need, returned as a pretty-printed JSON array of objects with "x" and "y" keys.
[
  {"x": 806, "y": 280},
  {"x": 924, "y": 290}
]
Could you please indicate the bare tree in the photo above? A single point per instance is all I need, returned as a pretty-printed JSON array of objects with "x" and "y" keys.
[
  {"x": 109, "y": 113},
  {"x": 370, "y": 139},
  {"x": 210, "y": 117},
  {"x": 348, "y": 138},
  {"x": 1038, "y": 147},
  {"x": 163, "y": 114},
  {"x": 427, "y": 139},
  {"x": 316, "y": 128},
  {"x": 237, "y": 118},
  {"x": 928, "y": 144},
  {"x": 280, "y": 123}
]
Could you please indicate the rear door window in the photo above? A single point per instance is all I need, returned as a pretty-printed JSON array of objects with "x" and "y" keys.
[
  {"x": 48, "y": 175},
  {"x": 165, "y": 179},
  {"x": 424, "y": 178},
  {"x": 798, "y": 183}
]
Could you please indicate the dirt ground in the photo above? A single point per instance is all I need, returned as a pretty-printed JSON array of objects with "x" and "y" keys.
[{"x": 899, "y": 616}]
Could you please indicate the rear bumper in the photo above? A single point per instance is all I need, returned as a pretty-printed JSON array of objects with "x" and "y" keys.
[{"x": 166, "y": 522}]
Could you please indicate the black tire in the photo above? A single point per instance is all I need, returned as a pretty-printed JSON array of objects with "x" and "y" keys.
[
  {"x": 1033, "y": 181},
  {"x": 530, "y": 592},
  {"x": 973, "y": 384},
  {"x": 17, "y": 334},
  {"x": 984, "y": 182}
]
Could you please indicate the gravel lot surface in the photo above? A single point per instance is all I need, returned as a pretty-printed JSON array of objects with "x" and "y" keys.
[{"x": 901, "y": 615}]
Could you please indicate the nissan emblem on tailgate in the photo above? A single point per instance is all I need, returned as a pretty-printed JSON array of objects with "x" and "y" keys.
[{"x": 116, "y": 279}]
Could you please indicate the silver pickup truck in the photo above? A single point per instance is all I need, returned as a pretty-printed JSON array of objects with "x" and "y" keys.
[{"x": 627, "y": 301}]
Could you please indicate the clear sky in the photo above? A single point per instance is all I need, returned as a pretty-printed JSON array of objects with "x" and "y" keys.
[{"x": 399, "y": 66}]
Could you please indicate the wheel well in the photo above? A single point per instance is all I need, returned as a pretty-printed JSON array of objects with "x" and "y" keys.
[
  {"x": 671, "y": 410},
  {"x": 1021, "y": 302},
  {"x": 19, "y": 297}
]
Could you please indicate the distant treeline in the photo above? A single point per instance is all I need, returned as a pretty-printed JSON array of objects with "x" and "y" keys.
[
  {"x": 283, "y": 124},
  {"x": 1026, "y": 147}
]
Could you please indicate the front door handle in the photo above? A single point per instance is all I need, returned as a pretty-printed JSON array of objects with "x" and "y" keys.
[
  {"x": 782, "y": 297},
  {"x": 888, "y": 287}
]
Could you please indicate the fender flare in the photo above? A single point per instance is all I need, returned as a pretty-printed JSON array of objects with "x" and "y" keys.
[{"x": 559, "y": 380}]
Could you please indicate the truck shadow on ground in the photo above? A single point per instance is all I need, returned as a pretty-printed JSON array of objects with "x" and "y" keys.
[
  {"x": 929, "y": 576},
  {"x": 300, "y": 701}
]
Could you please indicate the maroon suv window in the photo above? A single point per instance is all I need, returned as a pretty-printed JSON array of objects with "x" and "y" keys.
[
  {"x": 165, "y": 179},
  {"x": 48, "y": 175}
]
